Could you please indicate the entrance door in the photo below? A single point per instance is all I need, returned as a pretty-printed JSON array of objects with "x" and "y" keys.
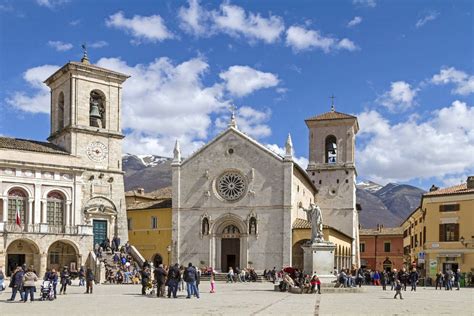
[
  {"x": 100, "y": 231},
  {"x": 230, "y": 253},
  {"x": 15, "y": 260},
  {"x": 450, "y": 266}
]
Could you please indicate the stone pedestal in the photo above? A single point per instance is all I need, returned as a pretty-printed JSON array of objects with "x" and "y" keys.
[{"x": 319, "y": 259}]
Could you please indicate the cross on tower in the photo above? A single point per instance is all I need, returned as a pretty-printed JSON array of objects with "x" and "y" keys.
[
  {"x": 232, "y": 122},
  {"x": 232, "y": 109},
  {"x": 332, "y": 97}
]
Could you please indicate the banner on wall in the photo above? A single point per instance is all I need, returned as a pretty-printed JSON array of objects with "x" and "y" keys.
[{"x": 433, "y": 267}]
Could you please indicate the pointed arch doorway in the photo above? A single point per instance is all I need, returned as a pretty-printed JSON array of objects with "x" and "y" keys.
[{"x": 230, "y": 248}]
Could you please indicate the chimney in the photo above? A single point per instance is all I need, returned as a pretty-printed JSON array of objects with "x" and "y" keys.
[
  {"x": 433, "y": 188},
  {"x": 141, "y": 191},
  {"x": 470, "y": 182},
  {"x": 378, "y": 227}
]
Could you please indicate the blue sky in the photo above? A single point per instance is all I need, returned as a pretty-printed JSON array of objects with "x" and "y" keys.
[{"x": 405, "y": 68}]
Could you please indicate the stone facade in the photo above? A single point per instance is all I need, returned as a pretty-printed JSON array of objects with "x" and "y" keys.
[
  {"x": 65, "y": 188},
  {"x": 332, "y": 170},
  {"x": 252, "y": 229}
]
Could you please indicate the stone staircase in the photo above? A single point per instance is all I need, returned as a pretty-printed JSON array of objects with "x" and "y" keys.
[{"x": 222, "y": 277}]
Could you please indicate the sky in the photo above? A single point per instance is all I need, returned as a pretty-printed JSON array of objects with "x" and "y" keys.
[{"x": 404, "y": 68}]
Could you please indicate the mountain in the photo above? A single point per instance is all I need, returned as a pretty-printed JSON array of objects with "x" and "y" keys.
[
  {"x": 149, "y": 172},
  {"x": 388, "y": 205}
]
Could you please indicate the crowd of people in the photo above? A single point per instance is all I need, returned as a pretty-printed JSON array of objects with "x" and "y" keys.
[
  {"x": 241, "y": 275},
  {"x": 288, "y": 278},
  {"x": 23, "y": 281}
]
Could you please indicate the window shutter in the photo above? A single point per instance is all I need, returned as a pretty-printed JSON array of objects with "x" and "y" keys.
[
  {"x": 441, "y": 232},
  {"x": 456, "y": 232}
]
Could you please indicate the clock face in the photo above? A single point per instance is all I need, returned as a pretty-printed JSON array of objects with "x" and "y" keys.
[{"x": 97, "y": 151}]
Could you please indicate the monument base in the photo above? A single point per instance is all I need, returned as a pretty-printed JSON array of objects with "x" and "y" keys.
[{"x": 319, "y": 258}]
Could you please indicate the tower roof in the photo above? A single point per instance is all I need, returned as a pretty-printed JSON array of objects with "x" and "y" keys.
[{"x": 331, "y": 115}]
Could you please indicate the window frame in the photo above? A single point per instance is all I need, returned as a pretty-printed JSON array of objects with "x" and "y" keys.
[
  {"x": 385, "y": 243},
  {"x": 154, "y": 222}
]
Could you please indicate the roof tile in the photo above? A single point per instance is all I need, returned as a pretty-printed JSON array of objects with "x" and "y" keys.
[{"x": 30, "y": 145}]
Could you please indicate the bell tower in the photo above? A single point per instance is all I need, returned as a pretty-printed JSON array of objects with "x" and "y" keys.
[
  {"x": 332, "y": 170},
  {"x": 85, "y": 112}
]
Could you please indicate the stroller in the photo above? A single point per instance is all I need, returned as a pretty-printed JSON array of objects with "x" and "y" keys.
[{"x": 47, "y": 291}]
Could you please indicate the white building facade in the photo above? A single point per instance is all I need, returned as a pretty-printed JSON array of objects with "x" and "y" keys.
[{"x": 69, "y": 191}]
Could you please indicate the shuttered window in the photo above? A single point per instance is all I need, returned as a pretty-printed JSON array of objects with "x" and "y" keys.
[
  {"x": 449, "y": 208},
  {"x": 449, "y": 232}
]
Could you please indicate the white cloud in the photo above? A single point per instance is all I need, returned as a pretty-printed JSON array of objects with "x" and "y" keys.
[
  {"x": 302, "y": 161},
  {"x": 75, "y": 22},
  {"x": 400, "y": 97},
  {"x": 355, "y": 21},
  {"x": 243, "y": 80},
  {"x": 440, "y": 146},
  {"x": 142, "y": 28},
  {"x": 233, "y": 20},
  {"x": 194, "y": 19},
  {"x": 249, "y": 120},
  {"x": 98, "y": 44},
  {"x": 427, "y": 18},
  {"x": 60, "y": 46},
  {"x": 301, "y": 39},
  {"x": 464, "y": 83},
  {"x": 365, "y": 3},
  {"x": 51, "y": 4},
  {"x": 39, "y": 101}
]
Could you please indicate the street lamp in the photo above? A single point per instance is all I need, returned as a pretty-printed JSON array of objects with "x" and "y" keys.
[
  {"x": 169, "y": 252},
  {"x": 462, "y": 240}
]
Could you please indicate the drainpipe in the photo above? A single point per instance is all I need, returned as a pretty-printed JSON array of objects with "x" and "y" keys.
[{"x": 375, "y": 252}]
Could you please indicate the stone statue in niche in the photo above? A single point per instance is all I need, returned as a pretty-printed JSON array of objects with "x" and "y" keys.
[
  {"x": 253, "y": 226},
  {"x": 205, "y": 226},
  {"x": 315, "y": 217}
]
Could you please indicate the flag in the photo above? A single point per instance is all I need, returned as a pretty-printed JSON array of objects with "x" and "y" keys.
[{"x": 18, "y": 218}]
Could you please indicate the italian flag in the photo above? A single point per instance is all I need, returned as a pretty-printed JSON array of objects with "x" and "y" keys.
[{"x": 18, "y": 217}]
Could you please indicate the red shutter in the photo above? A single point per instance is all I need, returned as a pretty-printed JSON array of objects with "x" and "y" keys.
[{"x": 441, "y": 232}]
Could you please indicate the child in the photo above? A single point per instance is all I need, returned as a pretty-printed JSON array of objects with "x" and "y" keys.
[
  {"x": 315, "y": 282},
  {"x": 213, "y": 282},
  {"x": 398, "y": 289}
]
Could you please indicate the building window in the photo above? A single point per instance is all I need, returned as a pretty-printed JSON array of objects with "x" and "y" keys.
[
  {"x": 449, "y": 208},
  {"x": 386, "y": 246},
  {"x": 129, "y": 223},
  {"x": 405, "y": 233},
  {"x": 362, "y": 247},
  {"x": 424, "y": 235},
  {"x": 154, "y": 222},
  {"x": 55, "y": 209},
  {"x": 17, "y": 201},
  {"x": 448, "y": 232},
  {"x": 54, "y": 258},
  {"x": 416, "y": 240}
]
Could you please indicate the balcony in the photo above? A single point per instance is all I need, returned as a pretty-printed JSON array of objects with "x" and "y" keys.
[{"x": 45, "y": 229}]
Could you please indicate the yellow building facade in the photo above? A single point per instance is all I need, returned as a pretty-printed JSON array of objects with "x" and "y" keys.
[
  {"x": 440, "y": 233},
  {"x": 302, "y": 233},
  {"x": 149, "y": 226}
]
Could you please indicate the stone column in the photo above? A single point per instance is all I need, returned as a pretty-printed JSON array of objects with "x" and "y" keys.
[
  {"x": 44, "y": 208},
  {"x": 37, "y": 210},
  {"x": 30, "y": 212},
  {"x": 2, "y": 211},
  {"x": 69, "y": 218}
]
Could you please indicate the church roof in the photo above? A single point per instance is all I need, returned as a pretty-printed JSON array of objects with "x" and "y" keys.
[
  {"x": 381, "y": 231},
  {"x": 165, "y": 203},
  {"x": 256, "y": 143},
  {"x": 331, "y": 115},
  {"x": 30, "y": 145}
]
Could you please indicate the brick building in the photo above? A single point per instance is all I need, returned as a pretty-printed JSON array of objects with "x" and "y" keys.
[{"x": 381, "y": 248}]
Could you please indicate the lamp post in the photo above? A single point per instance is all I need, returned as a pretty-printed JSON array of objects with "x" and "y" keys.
[{"x": 169, "y": 252}]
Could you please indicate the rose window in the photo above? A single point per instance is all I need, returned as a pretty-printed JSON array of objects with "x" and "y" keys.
[{"x": 231, "y": 186}]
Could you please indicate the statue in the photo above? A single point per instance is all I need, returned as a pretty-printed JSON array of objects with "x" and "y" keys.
[{"x": 315, "y": 217}]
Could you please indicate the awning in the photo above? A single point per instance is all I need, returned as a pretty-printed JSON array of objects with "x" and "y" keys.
[{"x": 445, "y": 255}]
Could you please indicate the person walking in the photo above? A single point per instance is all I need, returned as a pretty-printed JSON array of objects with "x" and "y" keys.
[
  {"x": 413, "y": 279},
  {"x": 439, "y": 280},
  {"x": 89, "y": 281},
  {"x": 384, "y": 278},
  {"x": 212, "y": 280},
  {"x": 53, "y": 278},
  {"x": 376, "y": 277},
  {"x": 403, "y": 277},
  {"x": 82, "y": 275},
  {"x": 16, "y": 283},
  {"x": 457, "y": 279},
  {"x": 145, "y": 274},
  {"x": 393, "y": 278},
  {"x": 160, "y": 278},
  {"x": 398, "y": 289},
  {"x": 174, "y": 277},
  {"x": 447, "y": 280},
  {"x": 230, "y": 275},
  {"x": 65, "y": 279},
  {"x": 190, "y": 277},
  {"x": 29, "y": 287}
]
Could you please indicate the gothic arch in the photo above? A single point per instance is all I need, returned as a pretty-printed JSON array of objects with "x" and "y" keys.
[
  {"x": 330, "y": 149},
  {"x": 228, "y": 219}
]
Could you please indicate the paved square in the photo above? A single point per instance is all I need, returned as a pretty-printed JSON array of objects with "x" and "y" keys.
[{"x": 245, "y": 299}]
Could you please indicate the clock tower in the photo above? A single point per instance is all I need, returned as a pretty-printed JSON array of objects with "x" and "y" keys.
[{"x": 86, "y": 123}]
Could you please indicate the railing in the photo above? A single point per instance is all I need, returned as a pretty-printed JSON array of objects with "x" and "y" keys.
[{"x": 45, "y": 229}]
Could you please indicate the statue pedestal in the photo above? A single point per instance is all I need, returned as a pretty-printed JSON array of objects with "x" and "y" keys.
[{"x": 319, "y": 259}]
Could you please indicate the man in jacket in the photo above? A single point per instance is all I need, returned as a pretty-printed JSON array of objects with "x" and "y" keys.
[
  {"x": 160, "y": 278},
  {"x": 190, "y": 277},
  {"x": 145, "y": 279},
  {"x": 174, "y": 276},
  {"x": 89, "y": 281},
  {"x": 16, "y": 283},
  {"x": 65, "y": 279},
  {"x": 457, "y": 279},
  {"x": 413, "y": 279}
]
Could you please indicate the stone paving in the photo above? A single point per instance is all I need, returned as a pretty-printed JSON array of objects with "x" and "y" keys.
[{"x": 244, "y": 299}]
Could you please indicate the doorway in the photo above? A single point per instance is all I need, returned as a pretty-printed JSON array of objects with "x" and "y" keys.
[
  {"x": 99, "y": 230},
  {"x": 230, "y": 253},
  {"x": 15, "y": 260},
  {"x": 450, "y": 266}
]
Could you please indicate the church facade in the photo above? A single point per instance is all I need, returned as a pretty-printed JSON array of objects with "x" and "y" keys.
[
  {"x": 234, "y": 202},
  {"x": 59, "y": 198}
]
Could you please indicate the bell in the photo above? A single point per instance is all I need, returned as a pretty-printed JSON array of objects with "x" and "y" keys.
[
  {"x": 95, "y": 114},
  {"x": 331, "y": 147}
]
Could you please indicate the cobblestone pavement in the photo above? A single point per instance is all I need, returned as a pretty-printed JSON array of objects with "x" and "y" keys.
[{"x": 244, "y": 299}]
